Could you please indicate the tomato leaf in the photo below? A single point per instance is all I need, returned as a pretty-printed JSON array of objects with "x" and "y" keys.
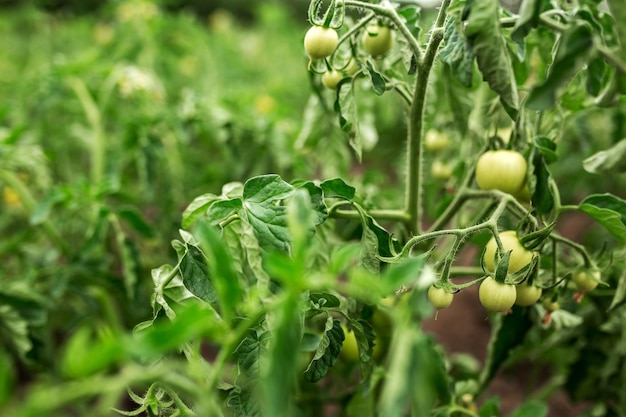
[
  {"x": 220, "y": 210},
  {"x": 15, "y": 329},
  {"x": 507, "y": 333},
  {"x": 268, "y": 219},
  {"x": 197, "y": 208},
  {"x": 278, "y": 367},
  {"x": 485, "y": 37},
  {"x": 547, "y": 147},
  {"x": 337, "y": 188},
  {"x": 457, "y": 54},
  {"x": 327, "y": 351},
  {"x": 195, "y": 273},
  {"x": 609, "y": 211},
  {"x": 324, "y": 300},
  {"x": 531, "y": 409},
  {"x": 573, "y": 49},
  {"x": 220, "y": 261},
  {"x": 167, "y": 289},
  {"x": 317, "y": 201},
  {"x": 491, "y": 408},
  {"x": 528, "y": 19},
  {"x": 378, "y": 82},
  {"x": 542, "y": 197},
  {"x": 612, "y": 160}
]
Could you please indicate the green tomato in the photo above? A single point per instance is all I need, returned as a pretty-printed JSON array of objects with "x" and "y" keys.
[
  {"x": 439, "y": 297},
  {"x": 378, "y": 40},
  {"x": 501, "y": 170},
  {"x": 331, "y": 79},
  {"x": 587, "y": 280},
  {"x": 436, "y": 141},
  {"x": 550, "y": 305},
  {"x": 320, "y": 42},
  {"x": 352, "y": 67},
  {"x": 520, "y": 256},
  {"x": 527, "y": 295},
  {"x": 440, "y": 170},
  {"x": 496, "y": 296},
  {"x": 350, "y": 348}
]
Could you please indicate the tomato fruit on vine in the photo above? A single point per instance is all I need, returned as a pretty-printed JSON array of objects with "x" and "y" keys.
[
  {"x": 550, "y": 305},
  {"x": 496, "y": 296},
  {"x": 435, "y": 141},
  {"x": 350, "y": 348},
  {"x": 439, "y": 297},
  {"x": 378, "y": 40},
  {"x": 440, "y": 170},
  {"x": 502, "y": 170},
  {"x": 320, "y": 42},
  {"x": 520, "y": 256},
  {"x": 527, "y": 294},
  {"x": 586, "y": 280},
  {"x": 331, "y": 79}
]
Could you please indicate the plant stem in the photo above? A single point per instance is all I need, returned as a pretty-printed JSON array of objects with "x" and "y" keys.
[
  {"x": 414, "y": 181},
  {"x": 376, "y": 214},
  {"x": 579, "y": 248}
]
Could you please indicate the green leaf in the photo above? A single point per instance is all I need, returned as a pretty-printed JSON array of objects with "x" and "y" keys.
[
  {"x": 135, "y": 220},
  {"x": 278, "y": 368},
  {"x": 542, "y": 197},
  {"x": 14, "y": 332},
  {"x": 248, "y": 354},
  {"x": 220, "y": 210},
  {"x": 573, "y": 50},
  {"x": 346, "y": 107},
  {"x": 618, "y": 11},
  {"x": 609, "y": 211},
  {"x": 508, "y": 332},
  {"x": 43, "y": 209},
  {"x": 324, "y": 300},
  {"x": 547, "y": 147},
  {"x": 488, "y": 44},
  {"x": 337, "y": 188},
  {"x": 87, "y": 354},
  {"x": 612, "y": 160},
  {"x": 267, "y": 218},
  {"x": 195, "y": 273},
  {"x": 491, "y": 408},
  {"x": 378, "y": 82},
  {"x": 457, "y": 54},
  {"x": 531, "y": 409},
  {"x": 365, "y": 339},
  {"x": 528, "y": 19},
  {"x": 224, "y": 276},
  {"x": 197, "y": 208},
  {"x": 317, "y": 201},
  {"x": 404, "y": 273},
  {"x": 327, "y": 351}
]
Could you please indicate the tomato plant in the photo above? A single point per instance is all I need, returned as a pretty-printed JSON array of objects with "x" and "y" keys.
[{"x": 339, "y": 263}]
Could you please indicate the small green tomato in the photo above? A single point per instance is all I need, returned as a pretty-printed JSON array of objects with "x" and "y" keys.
[
  {"x": 586, "y": 280},
  {"x": 378, "y": 40},
  {"x": 331, "y": 79},
  {"x": 320, "y": 42},
  {"x": 527, "y": 295},
  {"x": 496, "y": 296},
  {"x": 439, "y": 297}
]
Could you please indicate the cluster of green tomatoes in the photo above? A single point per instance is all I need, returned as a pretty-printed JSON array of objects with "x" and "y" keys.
[
  {"x": 321, "y": 42},
  {"x": 505, "y": 170}
]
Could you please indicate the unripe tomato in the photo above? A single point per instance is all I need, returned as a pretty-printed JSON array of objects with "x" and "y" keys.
[
  {"x": 501, "y": 170},
  {"x": 439, "y": 297},
  {"x": 320, "y": 42},
  {"x": 520, "y": 257},
  {"x": 350, "y": 348},
  {"x": 378, "y": 40},
  {"x": 436, "y": 141},
  {"x": 440, "y": 170},
  {"x": 586, "y": 280},
  {"x": 496, "y": 296},
  {"x": 550, "y": 305},
  {"x": 352, "y": 67},
  {"x": 527, "y": 295},
  {"x": 331, "y": 78}
]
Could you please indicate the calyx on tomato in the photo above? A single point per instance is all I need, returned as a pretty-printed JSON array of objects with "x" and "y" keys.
[{"x": 520, "y": 256}]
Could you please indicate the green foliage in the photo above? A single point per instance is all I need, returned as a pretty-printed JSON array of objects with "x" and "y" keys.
[{"x": 137, "y": 138}]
